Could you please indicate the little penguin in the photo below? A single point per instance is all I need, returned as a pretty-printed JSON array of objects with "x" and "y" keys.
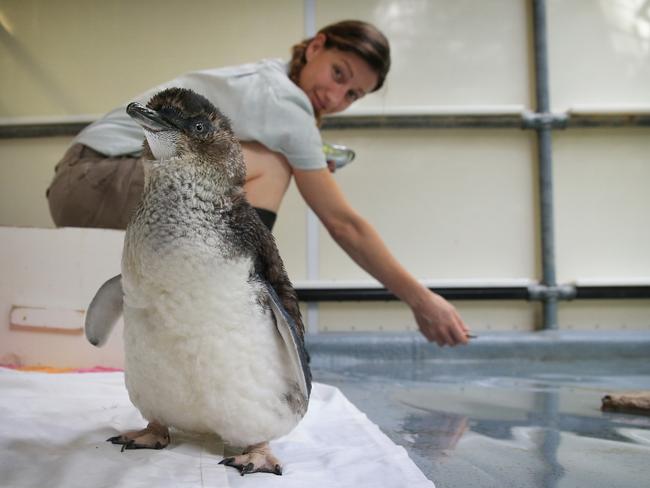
[{"x": 213, "y": 337}]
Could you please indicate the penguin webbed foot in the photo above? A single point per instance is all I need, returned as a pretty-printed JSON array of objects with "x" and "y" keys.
[
  {"x": 154, "y": 436},
  {"x": 255, "y": 459}
]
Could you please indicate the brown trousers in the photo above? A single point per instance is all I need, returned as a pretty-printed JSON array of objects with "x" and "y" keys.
[{"x": 91, "y": 189}]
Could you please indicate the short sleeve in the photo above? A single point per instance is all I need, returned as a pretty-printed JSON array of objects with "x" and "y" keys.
[
  {"x": 263, "y": 104},
  {"x": 276, "y": 113}
]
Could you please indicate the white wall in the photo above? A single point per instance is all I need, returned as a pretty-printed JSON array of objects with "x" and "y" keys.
[
  {"x": 453, "y": 204},
  {"x": 72, "y": 57},
  {"x": 599, "y": 53},
  {"x": 460, "y": 53},
  {"x": 56, "y": 269}
]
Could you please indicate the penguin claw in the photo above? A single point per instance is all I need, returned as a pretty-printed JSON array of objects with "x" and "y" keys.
[
  {"x": 155, "y": 436},
  {"x": 277, "y": 469},
  {"x": 247, "y": 469},
  {"x": 256, "y": 459}
]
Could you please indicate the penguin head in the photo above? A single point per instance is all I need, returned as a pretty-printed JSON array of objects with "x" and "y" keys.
[{"x": 180, "y": 123}]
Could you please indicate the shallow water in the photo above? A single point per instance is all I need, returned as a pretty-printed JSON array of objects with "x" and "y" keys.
[{"x": 507, "y": 423}]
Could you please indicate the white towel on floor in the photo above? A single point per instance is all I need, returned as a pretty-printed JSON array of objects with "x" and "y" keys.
[{"x": 53, "y": 429}]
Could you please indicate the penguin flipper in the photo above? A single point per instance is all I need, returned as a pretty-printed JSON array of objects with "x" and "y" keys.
[
  {"x": 293, "y": 341},
  {"x": 104, "y": 311}
]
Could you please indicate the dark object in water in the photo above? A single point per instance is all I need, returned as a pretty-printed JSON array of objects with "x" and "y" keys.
[{"x": 631, "y": 402}]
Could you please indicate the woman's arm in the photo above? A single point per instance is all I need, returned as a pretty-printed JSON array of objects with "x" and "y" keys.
[{"x": 437, "y": 319}]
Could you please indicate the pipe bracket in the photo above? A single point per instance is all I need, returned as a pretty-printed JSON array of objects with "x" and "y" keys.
[
  {"x": 541, "y": 292},
  {"x": 544, "y": 120}
]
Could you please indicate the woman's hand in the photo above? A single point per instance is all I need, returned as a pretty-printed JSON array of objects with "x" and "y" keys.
[{"x": 439, "y": 321}]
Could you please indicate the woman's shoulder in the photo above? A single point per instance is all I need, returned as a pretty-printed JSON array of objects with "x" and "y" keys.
[{"x": 274, "y": 74}]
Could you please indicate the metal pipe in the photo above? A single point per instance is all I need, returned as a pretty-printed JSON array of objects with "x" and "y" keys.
[
  {"x": 542, "y": 95},
  {"x": 523, "y": 292},
  {"x": 40, "y": 129},
  {"x": 611, "y": 120},
  {"x": 313, "y": 227},
  {"x": 524, "y": 120},
  {"x": 545, "y": 161},
  {"x": 424, "y": 121},
  {"x": 626, "y": 292},
  {"x": 356, "y": 294}
]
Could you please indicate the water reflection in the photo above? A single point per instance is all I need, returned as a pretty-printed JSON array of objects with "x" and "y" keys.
[
  {"x": 530, "y": 427},
  {"x": 436, "y": 432},
  {"x": 503, "y": 423}
]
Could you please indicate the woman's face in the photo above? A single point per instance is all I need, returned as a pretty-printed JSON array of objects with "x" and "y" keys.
[{"x": 333, "y": 79}]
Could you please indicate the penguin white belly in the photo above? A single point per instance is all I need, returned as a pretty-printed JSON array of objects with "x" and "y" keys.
[{"x": 202, "y": 354}]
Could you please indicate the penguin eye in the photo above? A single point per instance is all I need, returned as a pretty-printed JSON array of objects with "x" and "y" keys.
[{"x": 199, "y": 127}]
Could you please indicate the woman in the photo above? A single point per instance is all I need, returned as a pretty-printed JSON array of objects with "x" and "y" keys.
[{"x": 272, "y": 106}]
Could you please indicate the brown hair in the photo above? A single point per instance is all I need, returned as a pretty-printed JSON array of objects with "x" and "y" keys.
[{"x": 355, "y": 36}]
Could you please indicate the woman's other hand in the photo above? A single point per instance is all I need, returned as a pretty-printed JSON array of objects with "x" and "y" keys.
[{"x": 439, "y": 321}]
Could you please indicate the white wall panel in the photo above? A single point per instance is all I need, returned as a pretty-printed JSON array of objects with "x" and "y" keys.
[
  {"x": 26, "y": 170},
  {"x": 464, "y": 52},
  {"x": 605, "y": 315},
  {"x": 451, "y": 204},
  {"x": 88, "y": 56},
  {"x": 56, "y": 269},
  {"x": 290, "y": 234},
  {"x": 599, "y": 53},
  {"x": 602, "y": 204}
]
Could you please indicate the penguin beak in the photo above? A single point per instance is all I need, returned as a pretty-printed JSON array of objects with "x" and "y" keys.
[{"x": 149, "y": 119}]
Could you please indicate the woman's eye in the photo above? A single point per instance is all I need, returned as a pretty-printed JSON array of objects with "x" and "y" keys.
[
  {"x": 337, "y": 73},
  {"x": 353, "y": 96},
  {"x": 199, "y": 127}
]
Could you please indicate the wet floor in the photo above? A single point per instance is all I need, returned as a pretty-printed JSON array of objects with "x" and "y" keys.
[{"x": 507, "y": 423}]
